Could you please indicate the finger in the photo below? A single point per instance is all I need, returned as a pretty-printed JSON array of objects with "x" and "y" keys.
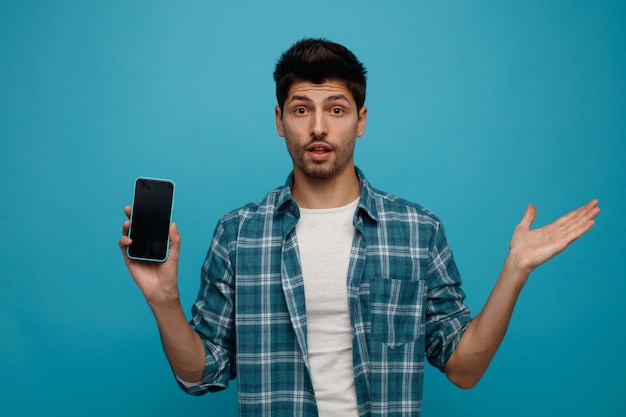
[
  {"x": 125, "y": 227},
  {"x": 573, "y": 233},
  {"x": 175, "y": 240},
  {"x": 585, "y": 220},
  {"x": 127, "y": 211},
  {"x": 582, "y": 211},
  {"x": 529, "y": 216},
  {"x": 579, "y": 218},
  {"x": 591, "y": 209},
  {"x": 174, "y": 235},
  {"x": 586, "y": 213},
  {"x": 578, "y": 222},
  {"x": 124, "y": 242}
]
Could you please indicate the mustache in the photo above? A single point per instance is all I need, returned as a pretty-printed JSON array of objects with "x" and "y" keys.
[{"x": 316, "y": 140}]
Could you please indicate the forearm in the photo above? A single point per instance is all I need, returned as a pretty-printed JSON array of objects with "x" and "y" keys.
[
  {"x": 182, "y": 345},
  {"x": 528, "y": 249},
  {"x": 484, "y": 335}
]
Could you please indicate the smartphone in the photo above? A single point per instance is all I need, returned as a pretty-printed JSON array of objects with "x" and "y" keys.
[{"x": 150, "y": 219}]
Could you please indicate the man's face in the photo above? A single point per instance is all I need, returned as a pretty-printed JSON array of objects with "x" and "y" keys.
[{"x": 320, "y": 124}]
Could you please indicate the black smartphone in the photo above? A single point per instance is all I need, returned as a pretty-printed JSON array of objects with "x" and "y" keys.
[{"x": 150, "y": 219}]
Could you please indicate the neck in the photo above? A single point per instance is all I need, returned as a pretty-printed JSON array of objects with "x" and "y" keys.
[{"x": 338, "y": 191}]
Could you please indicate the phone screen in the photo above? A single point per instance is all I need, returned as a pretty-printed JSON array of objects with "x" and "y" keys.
[{"x": 150, "y": 219}]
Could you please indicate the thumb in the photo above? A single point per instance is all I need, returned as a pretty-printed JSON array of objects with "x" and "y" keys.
[
  {"x": 174, "y": 240},
  {"x": 529, "y": 216}
]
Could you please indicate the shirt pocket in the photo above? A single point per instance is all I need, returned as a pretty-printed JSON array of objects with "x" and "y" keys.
[{"x": 396, "y": 310}]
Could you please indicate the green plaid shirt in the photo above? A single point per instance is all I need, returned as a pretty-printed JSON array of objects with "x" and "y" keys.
[{"x": 405, "y": 303}]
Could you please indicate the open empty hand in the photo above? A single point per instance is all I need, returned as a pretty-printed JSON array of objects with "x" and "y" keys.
[{"x": 531, "y": 248}]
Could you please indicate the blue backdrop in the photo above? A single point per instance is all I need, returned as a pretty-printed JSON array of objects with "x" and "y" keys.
[{"x": 475, "y": 110}]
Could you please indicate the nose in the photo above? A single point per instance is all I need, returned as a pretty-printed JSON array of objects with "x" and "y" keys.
[{"x": 319, "y": 125}]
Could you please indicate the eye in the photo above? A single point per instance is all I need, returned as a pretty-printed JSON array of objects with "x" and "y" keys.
[
  {"x": 300, "y": 110},
  {"x": 337, "y": 111}
]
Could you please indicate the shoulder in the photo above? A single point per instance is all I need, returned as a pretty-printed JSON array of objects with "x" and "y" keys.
[
  {"x": 269, "y": 205},
  {"x": 385, "y": 207},
  {"x": 389, "y": 206}
]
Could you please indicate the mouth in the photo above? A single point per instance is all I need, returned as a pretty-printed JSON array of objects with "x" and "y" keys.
[
  {"x": 319, "y": 148},
  {"x": 319, "y": 151}
]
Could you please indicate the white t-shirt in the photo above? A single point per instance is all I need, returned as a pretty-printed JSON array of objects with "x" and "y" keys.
[{"x": 325, "y": 241}]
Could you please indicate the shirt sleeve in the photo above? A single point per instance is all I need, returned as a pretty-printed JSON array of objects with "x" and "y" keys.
[
  {"x": 213, "y": 316},
  {"x": 447, "y": 316},
  {"x": 185, "y": 384}
]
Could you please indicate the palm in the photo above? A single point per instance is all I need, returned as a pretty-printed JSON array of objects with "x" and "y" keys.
[
  {"x": 534, "y": 247},
  {"x": 157, "y": 280},
  {"x": 153, "y": 278}
]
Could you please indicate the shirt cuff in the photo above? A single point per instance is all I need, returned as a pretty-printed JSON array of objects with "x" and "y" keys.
[{"x": 187, "y": 385}]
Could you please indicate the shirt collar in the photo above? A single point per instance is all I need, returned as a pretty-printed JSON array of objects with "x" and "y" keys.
[{"x": 367, "y": 202}]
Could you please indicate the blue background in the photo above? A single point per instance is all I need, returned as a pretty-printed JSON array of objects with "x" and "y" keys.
[{"x": 475, "y": 110}]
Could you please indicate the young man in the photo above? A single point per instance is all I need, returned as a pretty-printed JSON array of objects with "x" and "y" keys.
[{"x": 325, "y": 297}]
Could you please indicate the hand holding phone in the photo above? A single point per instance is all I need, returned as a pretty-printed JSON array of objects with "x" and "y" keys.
[{"x": 150, "y": 219}]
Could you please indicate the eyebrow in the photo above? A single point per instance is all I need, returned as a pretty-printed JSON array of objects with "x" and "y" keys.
[{"x": 334, "y": 97}]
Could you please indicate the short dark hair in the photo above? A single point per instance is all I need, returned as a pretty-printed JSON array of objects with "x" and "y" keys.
[{"x": 317, "y": 61}]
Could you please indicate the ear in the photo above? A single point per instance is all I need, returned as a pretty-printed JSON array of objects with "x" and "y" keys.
[
  {"x": 279, "y": 121},
  {"x": 362, "y": 122}
]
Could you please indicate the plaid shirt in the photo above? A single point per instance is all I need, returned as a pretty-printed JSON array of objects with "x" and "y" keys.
[{"x": 405, "y": 305}]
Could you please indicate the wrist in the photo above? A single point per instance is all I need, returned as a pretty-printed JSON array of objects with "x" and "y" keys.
[
  {"x": 166, "y": 300},
  {"x": 514, "y": 272}
]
